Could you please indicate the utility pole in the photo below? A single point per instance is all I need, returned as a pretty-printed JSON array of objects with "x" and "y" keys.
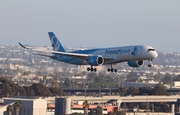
[
  {"x": 152, "y": 108},
  {"x": 109, "y": 91},
  {"x": 147, "y": 106},
  {"x": 99, "y": 90},
  {"x": 171, "y": 82},
  {"x": 85, "y": 90}
]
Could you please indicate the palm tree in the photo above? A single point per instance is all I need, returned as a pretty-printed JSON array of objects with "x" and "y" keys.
[
  {"x": 17, "y": 106},
  {"x": 86, "y": 107},
  {"x": 9, "y": 109}
]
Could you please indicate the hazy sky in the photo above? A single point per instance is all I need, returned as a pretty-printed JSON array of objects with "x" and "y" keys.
[{"x": 92, "y": 23}]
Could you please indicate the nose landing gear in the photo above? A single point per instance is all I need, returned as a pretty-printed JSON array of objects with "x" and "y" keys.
[{"x": 150, "y": 63}]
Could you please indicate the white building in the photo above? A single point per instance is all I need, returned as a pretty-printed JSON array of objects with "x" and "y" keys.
[
  {"x": 28, "y": 106},
  {"x": 176, "y": 84}
]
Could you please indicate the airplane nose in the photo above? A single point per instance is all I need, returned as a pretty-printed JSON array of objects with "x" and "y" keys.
[{"x": 154, "y": 54}]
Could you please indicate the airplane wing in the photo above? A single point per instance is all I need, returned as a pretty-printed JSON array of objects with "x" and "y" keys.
[
  {"x": 83, "y": 56},
  {"x": 76, "y": 55}
]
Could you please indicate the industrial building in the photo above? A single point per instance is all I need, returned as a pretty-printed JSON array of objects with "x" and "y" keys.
[{"x": 73, "y": 104}]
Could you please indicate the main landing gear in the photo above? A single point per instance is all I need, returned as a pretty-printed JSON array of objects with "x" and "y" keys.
[
  {"x": 109, "y": 69},
  {"x": 150, "y": 63},
  {"x": 91, "y": 69},
  {"x": 112, "y": 69}
]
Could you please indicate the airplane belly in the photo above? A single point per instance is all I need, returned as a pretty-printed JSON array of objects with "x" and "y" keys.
[{"x": 123, "y": 58}]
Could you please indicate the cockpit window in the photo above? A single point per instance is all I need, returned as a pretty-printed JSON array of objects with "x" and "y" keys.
[{"x": 151, "y": 49}]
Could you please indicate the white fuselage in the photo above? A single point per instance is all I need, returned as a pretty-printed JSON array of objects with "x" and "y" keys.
[{"x": 114, "y": 54}]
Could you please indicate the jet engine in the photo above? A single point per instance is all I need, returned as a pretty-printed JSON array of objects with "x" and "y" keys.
[
  {"x": 135, "y": 63},
  {"x": 95, "y": 60}
]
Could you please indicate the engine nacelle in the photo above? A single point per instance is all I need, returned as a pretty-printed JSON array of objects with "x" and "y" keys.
[
  {"x": 95, "y": 60},
  {"x": 135, "y": 63}
]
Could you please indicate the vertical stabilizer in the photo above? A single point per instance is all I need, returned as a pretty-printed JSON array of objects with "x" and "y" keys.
[{"x": 55, "y": 42}]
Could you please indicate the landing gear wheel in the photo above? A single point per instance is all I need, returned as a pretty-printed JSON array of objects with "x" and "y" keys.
[
  {"x": 108, "y": 69},
  {"x": 149, "y": 65},
  {"x": 115, "y": 70},
  {"x": 88, "y": 69},
  {"x": 92, "y": 69},
  {"x": 95, "y": 69}
]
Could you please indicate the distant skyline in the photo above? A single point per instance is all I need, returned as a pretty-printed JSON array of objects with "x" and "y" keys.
[{"x": 93, "y": 23}]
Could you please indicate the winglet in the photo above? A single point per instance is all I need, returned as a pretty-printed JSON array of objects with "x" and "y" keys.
[{"x": 23, "y": 46}]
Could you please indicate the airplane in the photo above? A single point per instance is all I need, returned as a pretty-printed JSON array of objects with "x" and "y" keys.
[{"x": 134, "y": 55}]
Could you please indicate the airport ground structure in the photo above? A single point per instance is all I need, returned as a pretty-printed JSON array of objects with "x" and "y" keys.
[
  {"x": 32, "y": 106},
  {"x": 63, "y": 105},
  {"x": 67, "y": 105}
]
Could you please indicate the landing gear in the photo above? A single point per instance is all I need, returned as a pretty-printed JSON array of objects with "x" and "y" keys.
[
  {"x": 150, "y": 63},
  {"x": 111, "y": 69},
  {"x": 91, "y": 69}
]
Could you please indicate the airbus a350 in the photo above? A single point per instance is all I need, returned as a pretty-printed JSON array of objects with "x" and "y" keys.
[{"x": 134, "y": 55}]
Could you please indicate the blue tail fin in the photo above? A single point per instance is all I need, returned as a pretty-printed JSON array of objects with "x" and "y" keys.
[{"x": 55, "y": 42}]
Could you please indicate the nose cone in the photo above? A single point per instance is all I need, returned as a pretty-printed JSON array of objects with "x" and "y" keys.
[{"x": 154, "y": 54}]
